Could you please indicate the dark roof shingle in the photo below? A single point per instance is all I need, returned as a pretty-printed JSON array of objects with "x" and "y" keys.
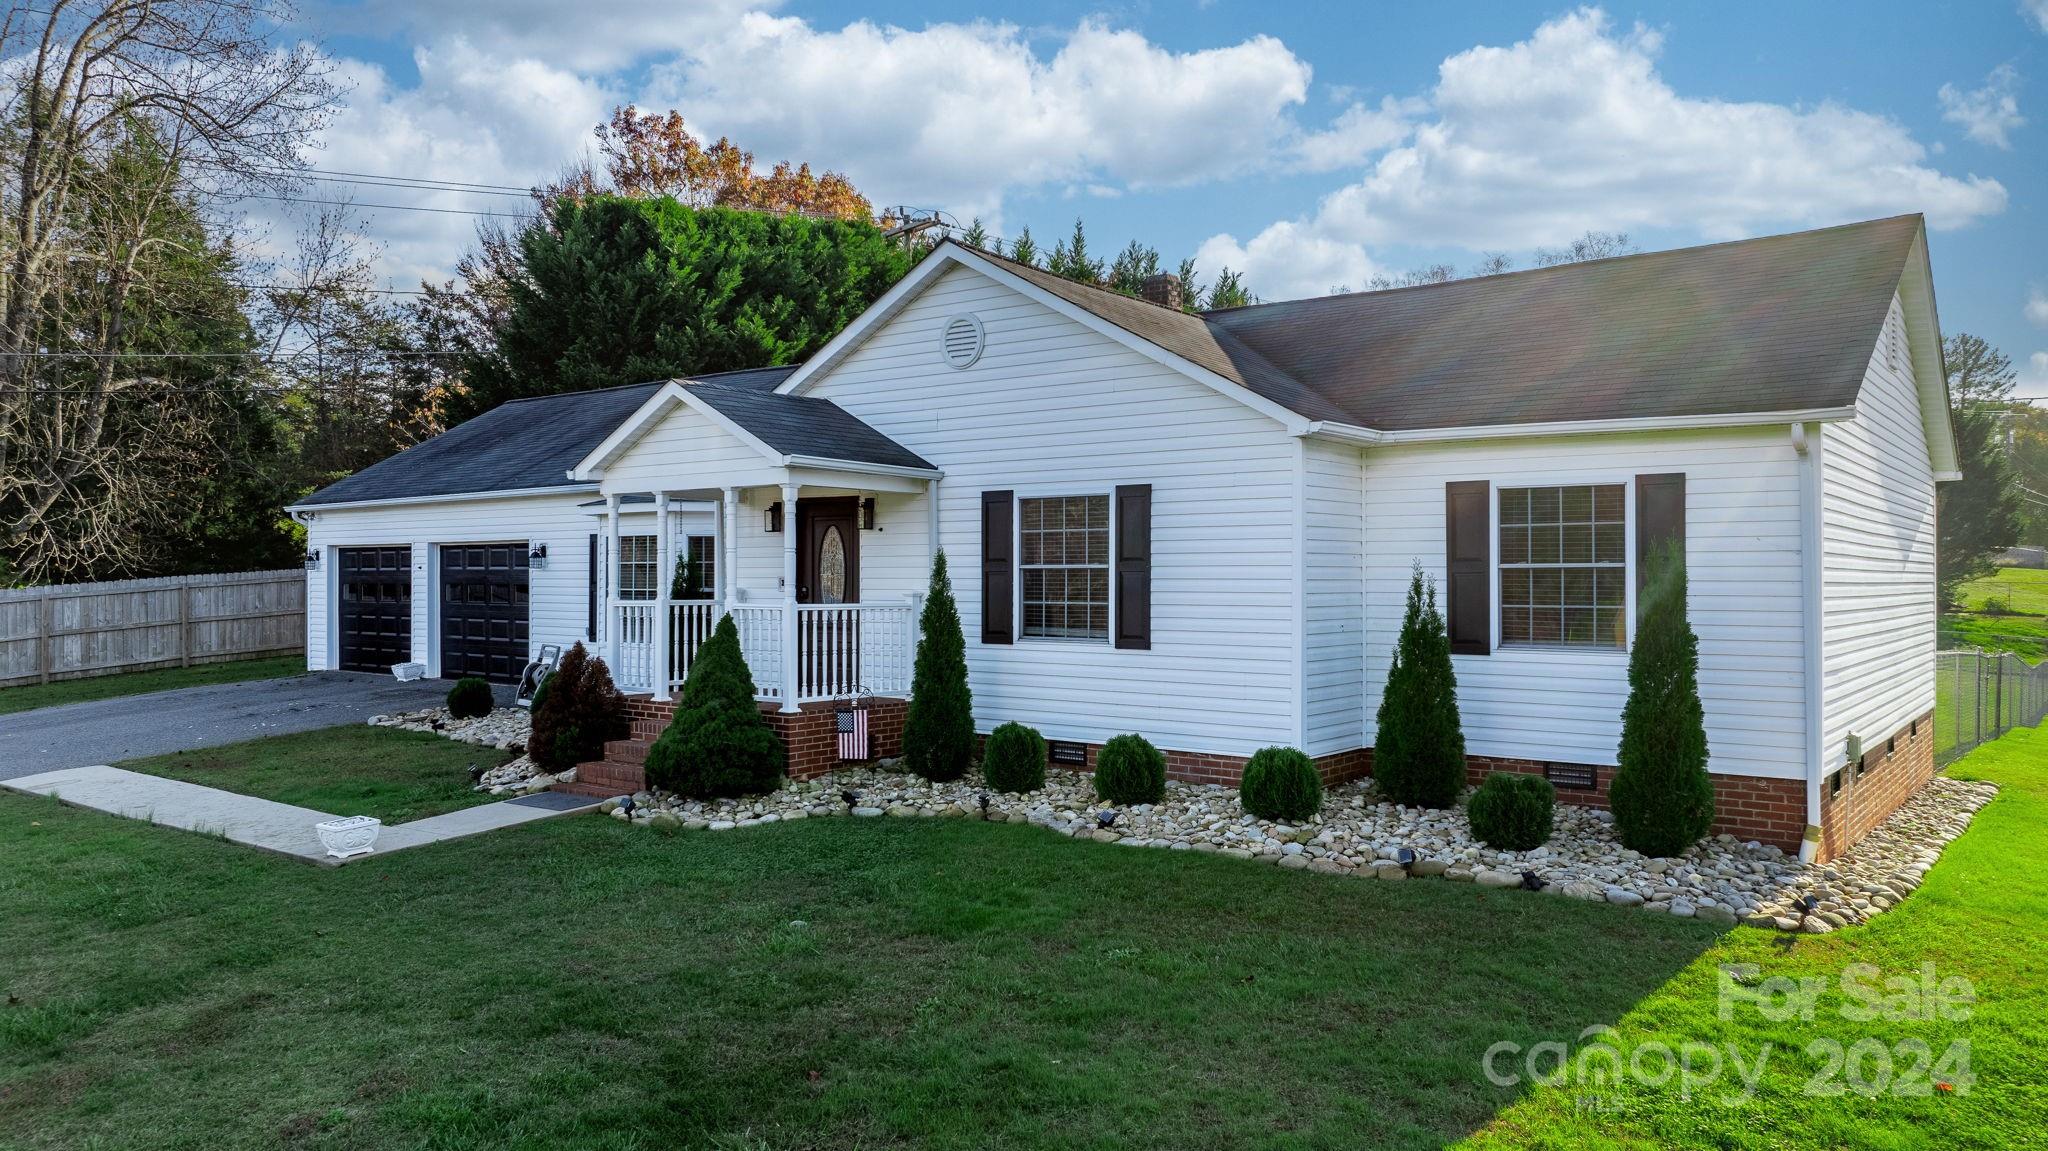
[
  {"x": 804, "y": 426},
  {"x": 520, "y": 444},
  {"x": 1780, "y": 323}
]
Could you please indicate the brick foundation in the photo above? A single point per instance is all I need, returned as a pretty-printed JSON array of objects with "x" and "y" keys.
[
  {"x": 1890, "y": 772},
  {"x": 1767, "y": 810},
  {"x": 810, "y": 736},
  {"x": 1226, "y": 770}
]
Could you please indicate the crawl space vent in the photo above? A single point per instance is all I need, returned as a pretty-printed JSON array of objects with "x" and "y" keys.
[{"x": 962, "y": 341}]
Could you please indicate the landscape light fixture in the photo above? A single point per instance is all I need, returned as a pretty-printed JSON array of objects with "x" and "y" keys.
[
  {"x": 1406, "y": 858},
  {"x": 984, "y": 805},
  {"x": 1105, "y": 819},
  {"x": 1532, "y": 881},
  {"x": 850, "y": 798}
]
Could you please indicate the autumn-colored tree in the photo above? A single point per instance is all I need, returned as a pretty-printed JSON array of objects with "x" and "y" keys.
[{"x": 650, "y": 154}]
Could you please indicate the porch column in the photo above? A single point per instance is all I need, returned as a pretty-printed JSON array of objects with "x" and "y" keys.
[
  {"x": 664, "y": 568},
  {"x": 611, "y": 583},
  {"x": 789, "y": 623},
  {"x": 729, "y": 547},
  {"x": 931, "y": 499}
]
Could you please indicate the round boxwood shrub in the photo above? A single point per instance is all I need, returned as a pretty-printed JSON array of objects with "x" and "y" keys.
[
  {"x": 1129, "y": 770},
  {"x": 1511, "y": 811},
  {"x": 1280, "y": 783},
  {"x": 470, "y": 698},
  {"x": 1014, "y": 758}
]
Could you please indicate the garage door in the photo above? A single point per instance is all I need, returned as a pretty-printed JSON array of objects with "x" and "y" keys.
[
  {"x": 376, "y": 608},
  {"x": 483, "y": 611}
]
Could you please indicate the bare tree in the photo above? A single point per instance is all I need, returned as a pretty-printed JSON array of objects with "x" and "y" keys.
[
  {"x": 1591, "y": 246},
  {"x": 120, "y": 118}
]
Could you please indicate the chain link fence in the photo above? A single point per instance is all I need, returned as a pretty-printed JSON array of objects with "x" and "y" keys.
[{"x": 1981, "y": 695}]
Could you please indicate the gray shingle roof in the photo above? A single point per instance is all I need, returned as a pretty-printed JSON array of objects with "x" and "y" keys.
[
  {"x": 1781, "y": 323},
  {"x": 804, "y": 426},
  {"x": 527, "y": 443}
]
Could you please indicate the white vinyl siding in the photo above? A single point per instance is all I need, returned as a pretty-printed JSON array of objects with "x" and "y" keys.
[
  {"x": 1334, "y": 656},
  {"x": 1742, "y": 546},
  {"x": 1054, "y": 407},
  {"x": 1877, "y": 519},
  {"x": 557, "y": 592}
]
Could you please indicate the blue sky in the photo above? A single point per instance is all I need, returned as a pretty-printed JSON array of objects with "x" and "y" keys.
[{"x": 1310, "y": 146}]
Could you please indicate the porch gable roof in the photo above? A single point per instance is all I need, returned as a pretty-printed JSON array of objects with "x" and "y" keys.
[{"x": 785, "y": 430}]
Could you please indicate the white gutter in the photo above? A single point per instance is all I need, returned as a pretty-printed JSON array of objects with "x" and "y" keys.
[
  {"x": 824, "y": 464},
  {"x": 401, "y": 501},
  {"x": 1353, "y": 434},
  {"x": 1807, "y": 445}
]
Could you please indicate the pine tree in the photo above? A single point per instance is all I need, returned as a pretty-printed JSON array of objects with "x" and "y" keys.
[
  {"x": 1025, "y": 250},
  {"x": 717, "y": 744},
  {"x": 938, "y": 731},
  {"x": 1662, "y": 797},
  {"x": 1418, "y": 757}
]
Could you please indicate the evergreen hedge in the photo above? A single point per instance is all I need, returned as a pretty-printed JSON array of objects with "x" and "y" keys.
[
  {"x": 938, "y": 729},
  {"x": 718, "y": 744},
  {"x": 470, "y": 698},
  {"x": 1129, "y": 770},
  {"x": 1662, "y": 797},
  {"x": 1280, "y": 783},
  {"x": 1512, "y": 811},
  {"x": 1418, "y": 757},
  {"x": 1014, "y": 758},
  {"x": 577, "y": 710}
]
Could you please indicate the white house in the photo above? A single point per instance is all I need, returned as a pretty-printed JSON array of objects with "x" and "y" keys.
[{"x": 1200, "y": 527}]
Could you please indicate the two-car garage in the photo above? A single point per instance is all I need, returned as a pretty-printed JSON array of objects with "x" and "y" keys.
[{"x": 482, "y": 608}]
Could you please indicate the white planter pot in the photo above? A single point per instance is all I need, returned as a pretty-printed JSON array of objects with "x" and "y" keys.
[{"x": 352, "y": 836}]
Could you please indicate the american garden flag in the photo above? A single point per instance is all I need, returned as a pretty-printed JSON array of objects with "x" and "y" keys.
[{"x": 853, "y": 733}]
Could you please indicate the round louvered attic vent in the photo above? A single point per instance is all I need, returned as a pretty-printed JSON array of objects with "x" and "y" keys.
[{"x": 962, "y": 341}]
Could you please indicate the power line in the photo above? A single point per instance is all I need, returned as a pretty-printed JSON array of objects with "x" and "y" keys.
[{"x": 391, "y": 207}]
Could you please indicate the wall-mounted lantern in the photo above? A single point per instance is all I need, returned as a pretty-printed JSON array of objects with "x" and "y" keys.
[
  {"x": 538, "y": 556},
  {"x": 312, "y": 559},
  {"x": 867, "y": 514},
  {"x": 772, "y": 522}
]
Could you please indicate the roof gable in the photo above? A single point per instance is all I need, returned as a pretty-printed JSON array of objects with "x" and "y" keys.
[{"x": 782, "y": 429}]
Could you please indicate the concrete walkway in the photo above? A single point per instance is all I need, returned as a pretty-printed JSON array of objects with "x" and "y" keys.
[
  {"x": 266, "y": 825},
  {"x": 130, "y": 727}
]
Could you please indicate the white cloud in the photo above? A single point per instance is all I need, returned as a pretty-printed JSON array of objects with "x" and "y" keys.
[
  {"x": 2038, "y": 9},
  {"x": 593, "y": 36},
  {"x": 1287, "y": 261},
  {"x": 1574, "y": 129},
  {"x": 2037, "y": 302},
  {"x": 1357, "y": 134},
  {"x": 956, "y": 115},
  {"x": 1990, "y": 114},
  {"x": 473, "y": 117},
  {"x": 2033, "y": 376}
]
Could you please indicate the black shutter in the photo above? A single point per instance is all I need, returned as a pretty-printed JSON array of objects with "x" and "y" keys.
[
  {"x": 1660, "y": 520},
  {"x": 1133, "y": 586},
  {"x": 1468, "y": 560},
  {"x": 998, "y": 567},
  {"x": 590, "y": 623}
]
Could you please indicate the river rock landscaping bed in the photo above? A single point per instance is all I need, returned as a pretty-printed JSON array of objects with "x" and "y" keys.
[
  {"x": 506, "y": 728},
  {"x": 1721, "y": 879}
]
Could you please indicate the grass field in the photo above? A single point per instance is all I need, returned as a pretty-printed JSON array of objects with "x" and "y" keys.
[
  {"x": 398, "y": 776},
  {"x": 2020, "y": 625},
  {"x": 24, "y": 697},
  {"x": 931, "y": 983}
]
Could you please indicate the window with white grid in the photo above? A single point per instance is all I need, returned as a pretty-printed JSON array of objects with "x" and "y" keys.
[
  {"x": 1564, "y": 566},
  {"x": 639, "y": 567},
  {"x": 1063, "y": 559}
]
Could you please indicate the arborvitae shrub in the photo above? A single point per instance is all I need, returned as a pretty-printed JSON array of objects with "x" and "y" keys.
[
  {"x": 718, "y": 744},
  {"x": 577, "y": 710},
  {"x": 470, "y": 698},
  {"x": 1014, "y": 758},
  {"x": 1129, "y": 770},
  {"x": 1512, "y": 811},
  {"x": 1418, "y": 757},
  {"x": 938, "y": 728},
  {"x": 1280, "y": 783},
  {"x": 1662, "y": 797}
]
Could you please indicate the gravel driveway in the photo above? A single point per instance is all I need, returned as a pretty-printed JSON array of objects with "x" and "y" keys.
[{"x": 111, "y": 730}]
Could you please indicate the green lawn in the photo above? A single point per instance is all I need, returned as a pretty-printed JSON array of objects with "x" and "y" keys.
[
  {"x": 2020, "y": 626},
  {"x": 398, "y": 776},
  {"x": 2025, "y": 590},
  {"x": 930, "y": 983},
  {"x": 24, "y": 697}
]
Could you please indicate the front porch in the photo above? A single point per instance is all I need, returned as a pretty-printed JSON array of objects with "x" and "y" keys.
[{"x": 842, "y": 649}]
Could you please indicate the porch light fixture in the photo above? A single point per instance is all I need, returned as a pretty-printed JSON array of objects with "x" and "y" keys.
[
  {"x": 538, "y": 557},
  {"x": 867, "y": 514},
  {"x": 312, "y": 560},
  {"x": 772, "y": 519}
]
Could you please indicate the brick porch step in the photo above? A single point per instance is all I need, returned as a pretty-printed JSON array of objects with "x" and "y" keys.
[
  {"x": 605, "y": 777},
  {"x": 624, "y": 751}
]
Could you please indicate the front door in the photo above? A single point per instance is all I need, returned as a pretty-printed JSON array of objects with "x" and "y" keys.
[{"x": 828, "y": 550}]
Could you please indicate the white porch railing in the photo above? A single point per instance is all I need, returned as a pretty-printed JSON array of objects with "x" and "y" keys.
[{"x": 840, "y": 648}]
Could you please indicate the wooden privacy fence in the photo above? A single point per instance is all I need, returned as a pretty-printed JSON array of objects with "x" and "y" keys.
[{"x": 72, "y": 631}]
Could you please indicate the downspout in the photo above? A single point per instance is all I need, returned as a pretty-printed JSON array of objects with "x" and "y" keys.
[{"x": 1807, "y": 445}]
